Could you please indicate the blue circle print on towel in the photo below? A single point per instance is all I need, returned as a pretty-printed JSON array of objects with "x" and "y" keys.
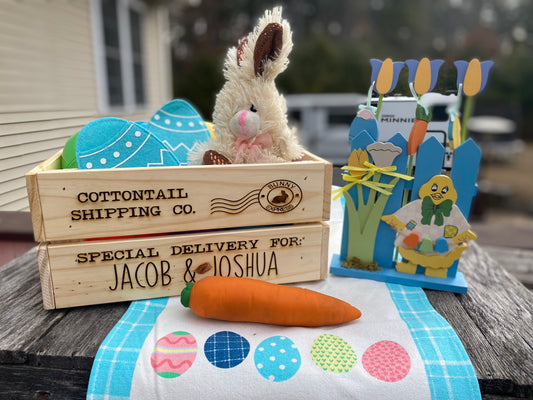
[
  {"x": 226, "y": 349},
  {"x": 277, "y": 358}
]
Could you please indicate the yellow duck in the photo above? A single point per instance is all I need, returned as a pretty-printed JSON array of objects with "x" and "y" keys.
[{"x": 432, "y": 230}]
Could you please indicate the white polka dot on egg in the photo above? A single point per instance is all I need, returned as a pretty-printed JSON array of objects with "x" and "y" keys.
[
  {"x": 167, "y": 122},
  {"x": 89, "y": 165},
  {"x": 179, "y": 124},
  {"x": 103, "y": 161},
  {"x": 157, "y": 117},
  {"x": 128, "y": 144},
  {"x": 138, "y": 134},
  {"x": 191, "y": 124},
  {"x": 116, "y": 154}
]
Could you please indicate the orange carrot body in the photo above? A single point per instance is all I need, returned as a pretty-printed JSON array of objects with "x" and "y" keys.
[
  {"x": 416, "y": 137},
  {"x": 422, "y": 117},
  {"x": 252, "y": 300}
]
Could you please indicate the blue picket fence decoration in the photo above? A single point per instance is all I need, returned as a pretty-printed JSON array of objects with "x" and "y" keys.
[{"x": 430, "y": 161}]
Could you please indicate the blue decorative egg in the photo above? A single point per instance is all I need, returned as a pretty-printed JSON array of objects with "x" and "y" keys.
[
  {"x": 179, "y": 127},
  {"x": 117, "y": 143}
]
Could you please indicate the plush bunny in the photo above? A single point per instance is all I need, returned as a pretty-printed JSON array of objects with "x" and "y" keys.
[{"x": 250, "y": 115}]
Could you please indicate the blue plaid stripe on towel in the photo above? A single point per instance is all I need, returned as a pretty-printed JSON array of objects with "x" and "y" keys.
[
  {"x": 117, "y": 356},
  {"x": 450, "y": 372}
]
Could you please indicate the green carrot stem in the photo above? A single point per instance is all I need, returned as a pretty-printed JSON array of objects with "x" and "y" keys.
[{"x": 467, "y": 113}]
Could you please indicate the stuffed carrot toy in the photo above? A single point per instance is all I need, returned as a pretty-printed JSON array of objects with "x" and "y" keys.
[
  {"x": 418, "y": 131},
  {"x": 252, "y": 300}
]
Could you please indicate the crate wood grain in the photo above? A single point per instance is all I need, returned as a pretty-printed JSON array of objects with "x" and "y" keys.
[
  {"x": 79, "y": 204},
  {"x": 106, "y": 271}
]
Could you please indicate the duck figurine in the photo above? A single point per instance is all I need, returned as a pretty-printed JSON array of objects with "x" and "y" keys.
[{"x": 432, "y": 231}]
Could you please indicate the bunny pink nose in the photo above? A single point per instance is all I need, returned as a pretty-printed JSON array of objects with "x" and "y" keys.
[{"x": 245, "y": 124}]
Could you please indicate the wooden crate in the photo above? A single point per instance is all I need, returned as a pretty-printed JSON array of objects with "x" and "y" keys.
[
  {"x": 105, "y": 271},
  {"x": 78, "y": 204},
  {"x": 136, "y": 233}
]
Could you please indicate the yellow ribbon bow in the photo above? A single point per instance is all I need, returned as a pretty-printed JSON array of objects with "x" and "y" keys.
[{"x": 364, "y": 180}]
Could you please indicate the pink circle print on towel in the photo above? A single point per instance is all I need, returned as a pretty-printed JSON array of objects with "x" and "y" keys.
[
  {"x": 174, "y": 354},
  {"x": 387, "y": 361}
]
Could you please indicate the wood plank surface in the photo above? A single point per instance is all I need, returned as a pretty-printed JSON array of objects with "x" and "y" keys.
[
  {"x": 495, "y": 323},
  {"x": 49, "y": 354}
]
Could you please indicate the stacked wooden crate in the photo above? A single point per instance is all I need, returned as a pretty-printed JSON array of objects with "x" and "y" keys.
[{"x": 113, "y": 235}]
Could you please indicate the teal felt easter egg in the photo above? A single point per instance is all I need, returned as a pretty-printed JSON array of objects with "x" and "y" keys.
[
  {"x": 117, "y": 143},
  {"x": 179, "y": 126},
  {"x": 68, "y": 157}
]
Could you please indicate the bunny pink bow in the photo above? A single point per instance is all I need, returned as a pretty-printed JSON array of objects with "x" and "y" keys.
[{"x": 252, "y": 147}]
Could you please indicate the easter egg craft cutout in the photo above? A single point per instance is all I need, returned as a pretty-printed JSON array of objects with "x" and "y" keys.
[
  {"x": 179, "y": 127},
  {"x": 117, "y": 143}
]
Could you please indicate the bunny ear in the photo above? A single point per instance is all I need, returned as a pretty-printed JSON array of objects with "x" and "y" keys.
[
  {"x": 240, "y": 51},
  {"x": 268, "y": 46},
  {"x": 263, "y": 52}
]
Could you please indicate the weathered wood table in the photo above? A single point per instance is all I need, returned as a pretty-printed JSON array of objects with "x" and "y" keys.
[{"x": 49, "y": 354}]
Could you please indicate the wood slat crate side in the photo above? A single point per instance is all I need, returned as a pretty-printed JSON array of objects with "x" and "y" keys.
[
  {"x": 106, "y": 271},
  {"x": 45, "y": 276},
  {"x": 79, "y": 204},
  {"x": 35, "y": 206},
  {"x": 328, "y": 179},
  {"x": 32, "y": 187}
]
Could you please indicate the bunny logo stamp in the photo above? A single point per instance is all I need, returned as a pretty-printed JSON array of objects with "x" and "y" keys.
[{"x": 280, "y": 196}]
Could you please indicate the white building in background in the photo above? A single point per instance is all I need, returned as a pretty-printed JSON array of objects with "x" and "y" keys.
[{"x": 64, "y": 63}]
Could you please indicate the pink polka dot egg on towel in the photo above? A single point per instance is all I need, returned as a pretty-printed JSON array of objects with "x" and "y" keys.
[{"x": 174, "y": 354}]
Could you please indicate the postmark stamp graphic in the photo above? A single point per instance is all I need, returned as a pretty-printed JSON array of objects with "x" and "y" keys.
[{"x": 278, "y": 197}]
